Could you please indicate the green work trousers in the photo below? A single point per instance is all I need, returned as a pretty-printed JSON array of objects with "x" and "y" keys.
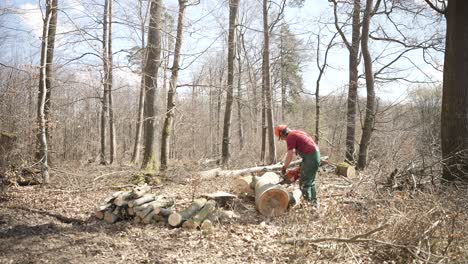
[{"x": 309, "y": 168}]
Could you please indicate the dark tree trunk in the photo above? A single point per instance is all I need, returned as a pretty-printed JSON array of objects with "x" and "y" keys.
[
  {"x": 112, "y": 137},
  {"x": 49, "y": 69},
  {"x": 225, "y": 153},
  {"x": 240, "y": 129},
  {"x": 141, "y": 99},
  {"x": 370, "y": 104},
  {"x": 353, "y": 84},
  {"x": 267, "y": 86},
  {"x": 455, "y": 94},
  {"x": 151, "y": 72},
  {"x": 105, "y": 96},
  {"x": 166, "y": 131}
]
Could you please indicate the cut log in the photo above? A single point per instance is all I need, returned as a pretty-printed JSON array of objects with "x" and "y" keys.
[
  {"x": 148, "y": 219},
  {"x": 242, "y": 185},
  {"x": 218, "y": 172},
  {"x": 222, "y": 198},
  {"x": 346, "y": 170},
  {"x": 111, "y": 216},
  {"x": 131, "y": 211},
  {"x": 176, "y": 219},
  {"x": 270, "y": 198},
  {"x": 295, "y": 198},
  {"x": 136, "y": 220},
  {"x": 165, "y": 212},
  {"x": 112, "y": 197},
  {"x": 203, "y": 214},
  {"x": 139, "y": 191},
  {"x": 144, "y": 199},
  {"x": 143, "y": 212},
  {"x": 207, "y": 226},
  {"x": 123, "y": 198},
  {"x": 101, "y": 209}
]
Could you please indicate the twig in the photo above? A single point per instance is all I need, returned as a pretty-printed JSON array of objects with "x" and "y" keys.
[
  {"x": 61, "y": 218},
  {"x": 108, "y": 174},
  {"x": 356, "y": 238}
]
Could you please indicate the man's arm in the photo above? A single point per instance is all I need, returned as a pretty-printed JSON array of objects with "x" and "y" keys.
[{"x": 288, "y": 158}]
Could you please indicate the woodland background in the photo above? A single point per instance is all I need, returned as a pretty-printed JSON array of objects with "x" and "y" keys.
[{"x": 95, "y": 92}]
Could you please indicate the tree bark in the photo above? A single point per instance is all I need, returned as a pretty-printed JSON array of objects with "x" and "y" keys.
[
  {"x": 112, "y": 136},
  {"x": 49, "y": 69},
  {"x": 166, "y": 131},
  {"x": 240, "y": 129},
  {"x": 454, "y": 116},
  {"x": 353, "y": 49},
  {"x": 203, "y": 214},
  {"x": 43, "y": 151},
  {"x": 267, "y": 86},
  {"x": 141, "y": 99},
  {"x": 151, "y": 73},
  {"x": 370, "y": 104},
  {"x": 176, "y": 219},
  {"x": 225, "y": 152},
  {"x": 105, "y": 82}
]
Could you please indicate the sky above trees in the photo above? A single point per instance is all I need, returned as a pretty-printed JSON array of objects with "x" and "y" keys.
[{"x": 205, "y": 36}]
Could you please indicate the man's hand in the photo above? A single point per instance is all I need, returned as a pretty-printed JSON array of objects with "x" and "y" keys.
[{"x": 283, "y": 171}]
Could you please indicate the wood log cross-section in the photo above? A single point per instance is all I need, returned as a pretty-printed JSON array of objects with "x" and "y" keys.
[
  {"x": 176, "y": 219},
  {"x": 203, "y": 214},
  {"x": 346, "y": 170},
  {"x": 270, "y": 198}
]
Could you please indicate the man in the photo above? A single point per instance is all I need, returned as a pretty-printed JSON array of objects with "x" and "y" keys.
[{"x": 309, "y": 151}]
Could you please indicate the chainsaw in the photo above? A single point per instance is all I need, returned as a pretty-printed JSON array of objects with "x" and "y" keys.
[{"x": 292, "y": 175}]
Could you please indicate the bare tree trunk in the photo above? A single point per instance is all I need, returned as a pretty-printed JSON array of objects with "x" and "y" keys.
[
  {"x": 264, "y": 126},
  {"x": 267, "y": 85},
  {"x": 41, "y": 100},
  {"x": 218, "y": 110},
  {"x": 151, "y": 73},
  {"x": 454, "y": 114},
  {"x": 141, "y": 100},
  {"x": 105, "y": 96},
  {"x": 112, "y": 139},
  {"x": 225, "y": 153},
  {"x": 240, "y": 130},
  {"x": 370, "y": 105},
  {"x": 353, "y": 49},
  {"x": 49, "y": 69},
  {"x": 166, "y": 131}
]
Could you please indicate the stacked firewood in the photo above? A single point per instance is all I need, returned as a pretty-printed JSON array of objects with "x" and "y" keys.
[{"x": 141, "y": 206}]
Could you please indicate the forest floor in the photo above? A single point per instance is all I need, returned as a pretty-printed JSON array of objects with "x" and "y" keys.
[{"x": 359, "y": 221}]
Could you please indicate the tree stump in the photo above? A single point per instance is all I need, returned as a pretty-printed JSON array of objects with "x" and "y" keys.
[
  {"x": 345, "y": 169},
  {"x": 270, "y": 198}
]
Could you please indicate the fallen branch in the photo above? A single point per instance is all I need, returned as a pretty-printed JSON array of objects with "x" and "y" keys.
[
  {"x": 223, "y": 173},
  {"x": 357, "y": 238}
]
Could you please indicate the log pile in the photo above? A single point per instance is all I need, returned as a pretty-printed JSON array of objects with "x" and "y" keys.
[{"x": 147, "y": 208}]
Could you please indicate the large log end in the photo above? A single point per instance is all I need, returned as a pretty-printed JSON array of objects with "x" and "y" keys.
[
  {"x": 273, "y": 202},
  {"x": 346, "y": 170},
  {"x": 174, "y": 219}
]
